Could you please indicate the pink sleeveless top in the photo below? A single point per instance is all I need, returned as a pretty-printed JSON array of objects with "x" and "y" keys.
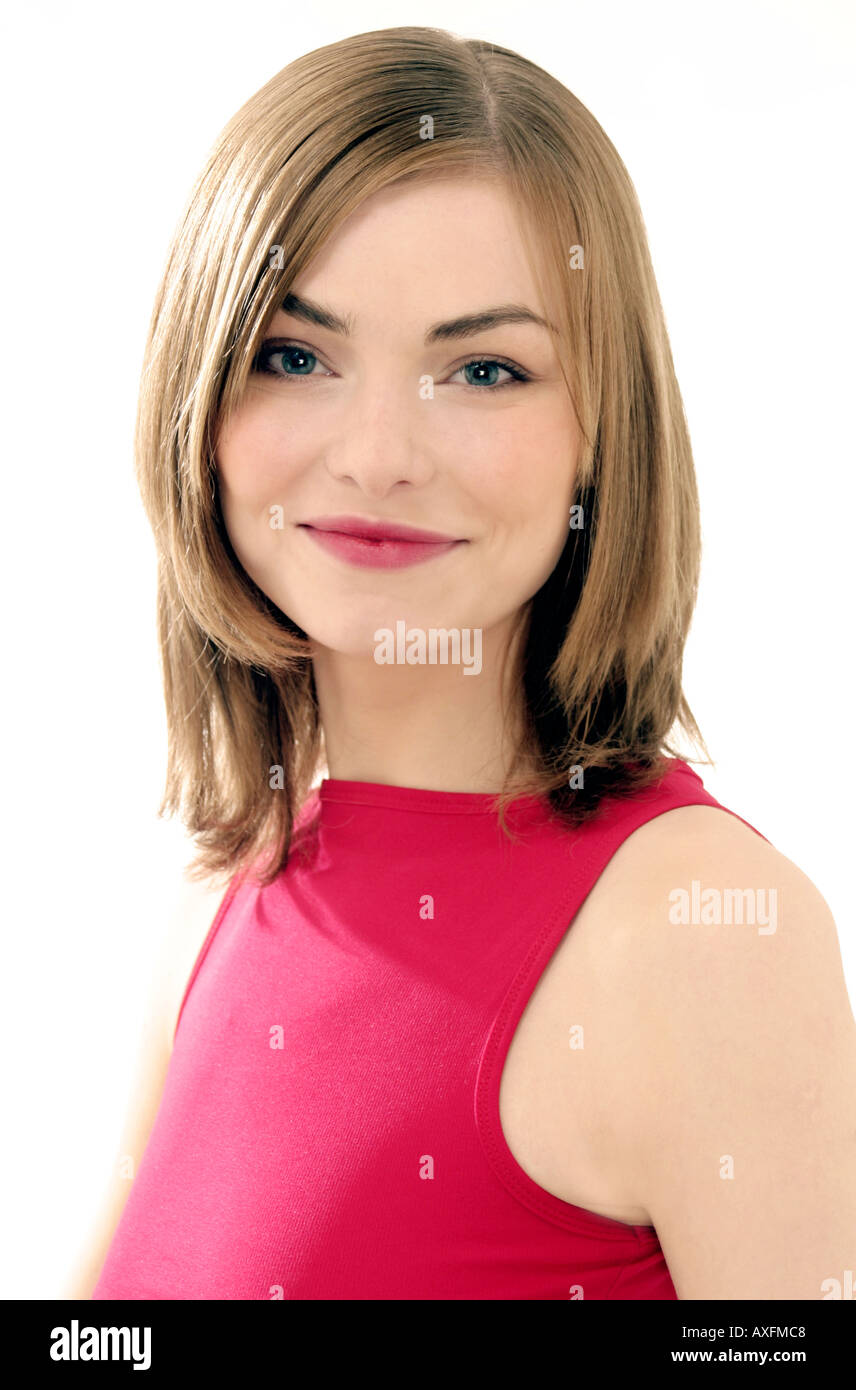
[{"x": 329, "y": 1126}]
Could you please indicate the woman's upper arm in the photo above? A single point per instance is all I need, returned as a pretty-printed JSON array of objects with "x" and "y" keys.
[{"x": 744, "y": 1127}]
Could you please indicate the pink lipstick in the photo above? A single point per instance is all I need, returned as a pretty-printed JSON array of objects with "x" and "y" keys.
[{"x": 377, "y": 544}]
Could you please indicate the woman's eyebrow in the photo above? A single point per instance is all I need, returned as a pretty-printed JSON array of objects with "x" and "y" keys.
[{"x": 462, "y": 327}]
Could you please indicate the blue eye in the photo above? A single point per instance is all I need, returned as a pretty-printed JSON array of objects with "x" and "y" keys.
[
  {"x": 492, "y": 364},
  {"x": 296, "y": 361},
  {"x": 299, "y": 358}
]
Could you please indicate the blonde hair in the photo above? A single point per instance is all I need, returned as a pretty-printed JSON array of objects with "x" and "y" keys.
[{"x": 602, "y": 642}]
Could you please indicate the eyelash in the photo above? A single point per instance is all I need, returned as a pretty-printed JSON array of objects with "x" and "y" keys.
[{"x": 272, "y": 347}]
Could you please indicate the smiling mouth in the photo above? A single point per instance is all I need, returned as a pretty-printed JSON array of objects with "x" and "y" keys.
[
  {"x": 374, "y": 529},
  {"x": 390, "y": 547}
]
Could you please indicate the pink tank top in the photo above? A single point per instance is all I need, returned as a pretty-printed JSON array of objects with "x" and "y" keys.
[{"x": 329, "y": 1125}]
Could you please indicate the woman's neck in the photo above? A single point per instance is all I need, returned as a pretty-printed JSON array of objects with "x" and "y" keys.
[{"x": 422, "y": 725}]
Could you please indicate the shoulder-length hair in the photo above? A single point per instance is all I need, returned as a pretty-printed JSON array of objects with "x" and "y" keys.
[{"x": 601, "y": 643}]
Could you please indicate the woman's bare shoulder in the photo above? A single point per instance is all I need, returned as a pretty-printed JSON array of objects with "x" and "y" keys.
[
  {"x": 703, "y": 867},
  {"x": 735, "y": 1019},
  {"x": 691, "y": 834},
  {"x": 705, "y": 929}
]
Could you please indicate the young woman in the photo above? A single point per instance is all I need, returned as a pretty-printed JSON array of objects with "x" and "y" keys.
[{"x": 506, "y": 1006}]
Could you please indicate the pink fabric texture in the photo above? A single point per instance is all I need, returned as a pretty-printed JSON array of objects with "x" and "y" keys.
[{"x": 329, "y": 1126}]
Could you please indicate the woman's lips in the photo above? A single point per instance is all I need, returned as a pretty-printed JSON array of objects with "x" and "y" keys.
[{"x": 388, "y": 548}]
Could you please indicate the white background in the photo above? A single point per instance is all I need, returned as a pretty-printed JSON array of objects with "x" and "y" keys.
[{"x": 735, "y": 122}]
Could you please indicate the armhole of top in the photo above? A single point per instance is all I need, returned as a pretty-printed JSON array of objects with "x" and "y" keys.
[
  {"x": 700, "y": 796},
  {"x": 685, "y": 789},
  {"x": 203, "y": 950}
]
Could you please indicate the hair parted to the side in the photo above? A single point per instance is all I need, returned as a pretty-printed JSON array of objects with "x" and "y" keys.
[{"x": 601, "y": 644}]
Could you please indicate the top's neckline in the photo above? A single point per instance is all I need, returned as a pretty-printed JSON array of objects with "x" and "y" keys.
[{"x": 354, "y": 793}]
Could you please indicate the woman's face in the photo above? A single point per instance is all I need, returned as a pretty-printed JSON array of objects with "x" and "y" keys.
[{"x": 401, "y": 421}]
